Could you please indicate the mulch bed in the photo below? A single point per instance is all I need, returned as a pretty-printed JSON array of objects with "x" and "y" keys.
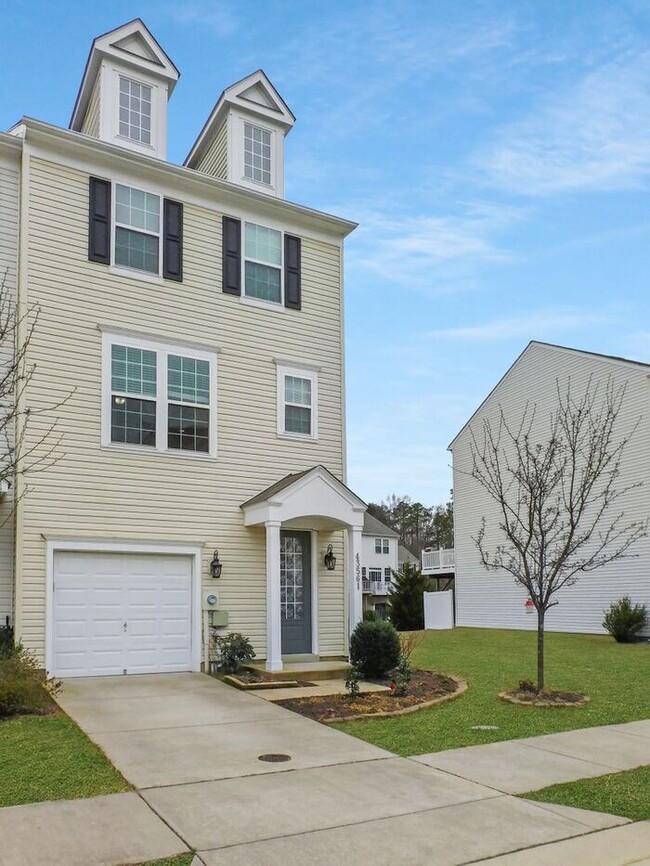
[
  {"x": 425, "y": 689},
  {"x": 545, "y": 698}
]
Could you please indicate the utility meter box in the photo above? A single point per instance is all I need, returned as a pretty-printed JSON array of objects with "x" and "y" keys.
[
  {"x": 218, "y": 618},
  {"x": 210, "y": 600}
]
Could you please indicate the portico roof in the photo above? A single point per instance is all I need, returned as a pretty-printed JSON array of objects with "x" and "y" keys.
[{"x": 314, "y": 495}]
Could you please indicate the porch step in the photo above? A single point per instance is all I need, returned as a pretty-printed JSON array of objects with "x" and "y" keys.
[{"x": 309, "y": 671}]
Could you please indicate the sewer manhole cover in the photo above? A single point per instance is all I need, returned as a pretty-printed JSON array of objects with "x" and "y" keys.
[{"x": 273, "y": 758}]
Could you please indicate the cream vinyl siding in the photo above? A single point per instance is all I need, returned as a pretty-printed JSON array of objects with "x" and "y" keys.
[
  {"x": 9, "y": 195},
  {"x": 215, "y": 159},
  {"x": 493, "y": 599},
  {"x": 91, "y": 120},
  {"x": 110, "y": 494}
]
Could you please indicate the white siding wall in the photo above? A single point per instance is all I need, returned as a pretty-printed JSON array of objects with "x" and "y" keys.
[
  {"x": 215, "y": 159},
  {"x": 91, "y": 120},
  {"x": 493, "y": 599},
  {"x": 370, "y": 559},
  {"x": 9, "y": 193},
  {"x": 102, "y": 493}
]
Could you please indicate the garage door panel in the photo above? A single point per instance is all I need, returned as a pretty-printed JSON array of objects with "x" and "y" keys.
[{"x": 121, "y": 612}]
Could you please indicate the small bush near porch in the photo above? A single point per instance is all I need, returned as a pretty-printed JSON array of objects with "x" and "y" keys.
[{"x": 614, "y": 675}]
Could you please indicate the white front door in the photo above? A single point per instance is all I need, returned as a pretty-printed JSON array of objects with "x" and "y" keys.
[{"x": 121, "y": 613}]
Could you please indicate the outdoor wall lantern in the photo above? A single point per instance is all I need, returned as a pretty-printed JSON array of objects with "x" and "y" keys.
[
  {"x": 215, "y": 565},
  {"x": 330, "y": 559}
]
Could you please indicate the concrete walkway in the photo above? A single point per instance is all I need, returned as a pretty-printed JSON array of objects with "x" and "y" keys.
[{"x": 192, "y": 747}]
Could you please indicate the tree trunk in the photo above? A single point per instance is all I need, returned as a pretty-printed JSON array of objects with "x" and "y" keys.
[{"x": 540, "y": 649}]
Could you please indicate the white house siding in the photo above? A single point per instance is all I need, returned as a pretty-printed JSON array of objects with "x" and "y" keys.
[
  {"x": 370, "y": 559},
  {"x": 215, "y": 159},
  {"x": 9, "y": 200},
  {"x": 107, "y": 494},
  {"x": 91, "y": 120},
  {"x": 493, "y": 599}
]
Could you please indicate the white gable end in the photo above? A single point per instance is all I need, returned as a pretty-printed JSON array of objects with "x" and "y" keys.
[{"x": 136, "y": 44}]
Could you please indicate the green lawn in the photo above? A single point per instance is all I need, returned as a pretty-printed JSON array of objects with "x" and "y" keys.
[
  {"x": 50, "y": 758},
  {"x": 626, "y": 794},
  {"x": 615, "y": 676}
]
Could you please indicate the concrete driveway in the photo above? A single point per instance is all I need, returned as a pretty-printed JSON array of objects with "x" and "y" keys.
[{"x": 192, "y": 747}]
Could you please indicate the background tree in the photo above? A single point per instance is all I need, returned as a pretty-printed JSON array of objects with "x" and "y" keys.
[
  {"x": 406, "y": 602},
  {"x": 417, "y": 525},
  {"x": 557, "y": 500}
]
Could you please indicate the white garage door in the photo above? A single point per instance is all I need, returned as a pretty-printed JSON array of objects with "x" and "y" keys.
[{"x": 121, "y": 613}]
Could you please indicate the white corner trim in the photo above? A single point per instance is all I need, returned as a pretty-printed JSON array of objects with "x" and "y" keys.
[{"x": 54, "y": 545}]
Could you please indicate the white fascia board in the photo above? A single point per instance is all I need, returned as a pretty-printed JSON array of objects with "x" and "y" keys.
[{"x": 84, "y": 153}]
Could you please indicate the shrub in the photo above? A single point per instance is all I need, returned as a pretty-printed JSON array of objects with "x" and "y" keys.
[
  {"x": 234, "y": 650},
  {"x": 24, "y": 688},
  {"x": 374, "y": 648},
  {"x": 352, "y": 682},
  {"x": 624, "y": 620},
  {"x": 7, "y": 647},
  {"x": 371, "y": 615},
  {"x": 402, "y": 675}
]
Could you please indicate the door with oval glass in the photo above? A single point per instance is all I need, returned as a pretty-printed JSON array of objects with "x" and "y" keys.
[{"x": 295, "y": 592}]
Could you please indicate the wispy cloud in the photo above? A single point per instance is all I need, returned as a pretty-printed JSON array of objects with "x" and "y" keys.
[
  {"x": 531, "y": 325},
  {"x": 436, "y": 254},
  {"x": 593, "y": 136},
  {"x": 216, "y": 17}
]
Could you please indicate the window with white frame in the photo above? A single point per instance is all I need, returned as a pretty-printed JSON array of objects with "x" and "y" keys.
[
  {"x": 257, "y": 153},
  {"x": 135, "y": 110},
  {"x": 375, "y": 575},
  {"x": 297, "y": 402},
  {"x": 388, "y": 575},
  {"x": 262, "y": 263},
  {"x": 382, "y": 545},
  {"x": 137, "y": 229},
  {"x": 159, "y": 397}
]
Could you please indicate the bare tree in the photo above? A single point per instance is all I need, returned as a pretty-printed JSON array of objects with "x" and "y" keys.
[
  {"x": 558, "y": 499},
  {"x": 17, "y": 457}
]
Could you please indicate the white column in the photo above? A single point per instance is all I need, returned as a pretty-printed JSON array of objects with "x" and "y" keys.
[
  {"x": 273, "y": 612},
  {"x": 354, "y": 576}
]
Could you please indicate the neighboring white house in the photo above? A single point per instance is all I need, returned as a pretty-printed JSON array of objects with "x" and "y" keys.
[
  {"x": 379, "y": 559},
  {"x": 191, "y": 328},
  {"x": 493, "y": 599}
]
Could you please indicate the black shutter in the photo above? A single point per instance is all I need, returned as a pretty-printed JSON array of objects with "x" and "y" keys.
[
  {"x": 231, "y": 256},
  {"x": 292, "y": 272},
  {"x": 99, "y": 221},
  {"x": 173, "y": 240}
]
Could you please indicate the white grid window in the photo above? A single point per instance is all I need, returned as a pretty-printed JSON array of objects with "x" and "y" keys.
[
  {"x": 139, "y": 410},
  {"x": 262, "y": 263},
  {"x": 375, "y": 575},
  {"x": 297, "y": 402},
  {"x": 137, "y": 229},
  {"x": 382, "y": 545},
  {"x": 257, "y": 154},
  {"x": 135, "y": 110}
]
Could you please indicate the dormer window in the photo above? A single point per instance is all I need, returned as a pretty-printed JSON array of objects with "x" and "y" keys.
[
  {"x": 257, "y": 153},
  {"x": 135, "y": 110}
]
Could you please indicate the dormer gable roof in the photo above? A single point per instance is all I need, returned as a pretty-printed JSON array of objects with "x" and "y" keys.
[
  {"x": 254, "y": 94},
  {"x": 131, "y": 44}
]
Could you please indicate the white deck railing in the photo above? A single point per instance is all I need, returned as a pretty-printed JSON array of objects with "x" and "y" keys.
[
  {"x": 376, "y": 587},
  {"x": 438, "y": 561}
]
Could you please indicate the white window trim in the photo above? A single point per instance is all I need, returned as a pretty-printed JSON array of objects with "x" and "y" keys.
[
  {"x": 162, "y": 350},
  {"x": 301, "y": 373},
  {"x": 236, "y": 154},
  {"x": 384, "y": 545},
  {"x": 123, "y": 269},
  {"x": 276, "y": 305},
  {"x": 110, "y": 113},
  {"x": 262, "y": 128}
]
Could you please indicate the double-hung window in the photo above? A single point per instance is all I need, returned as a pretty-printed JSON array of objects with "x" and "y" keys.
[
  {"x": 382, "y": 545},
  {"x": 158, "y": 397},
  {"x": 137, "y": 229},
  {"x": 297, "y": 402},
  {"x": 135, "y": 110},
  {"x": 257, "y": 154},
  {"x": 375, "y": 575},
  {"x": 262, "y": 263}
]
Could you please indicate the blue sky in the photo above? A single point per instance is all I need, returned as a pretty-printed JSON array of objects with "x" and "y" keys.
[{"x": 496, "y": 155}]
